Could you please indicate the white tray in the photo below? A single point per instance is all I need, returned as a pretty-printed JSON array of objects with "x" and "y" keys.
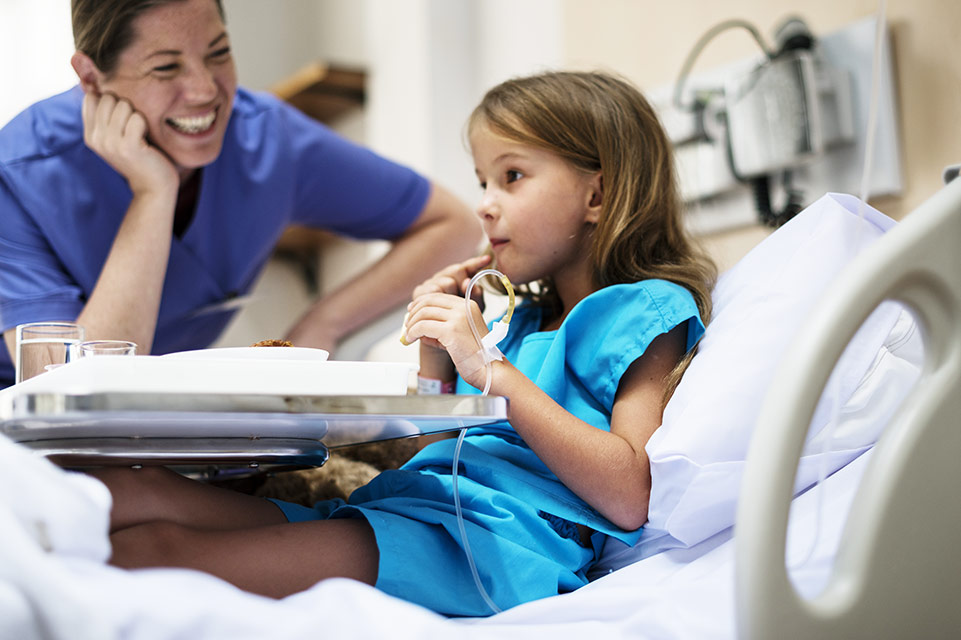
[{"x": 262, "y": 374}]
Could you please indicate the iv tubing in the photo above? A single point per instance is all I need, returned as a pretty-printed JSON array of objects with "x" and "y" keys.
[{"x": 460, "y": 438}]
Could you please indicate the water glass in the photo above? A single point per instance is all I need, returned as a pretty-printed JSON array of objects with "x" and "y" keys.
[
  {"x": 106, "y": 348},
  {"x": 43, "y": 345}
]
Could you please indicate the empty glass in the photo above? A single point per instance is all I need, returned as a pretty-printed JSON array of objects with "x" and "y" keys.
[
  {"x": 106, "y": 348},
  {"x": 44, "y": 345}
]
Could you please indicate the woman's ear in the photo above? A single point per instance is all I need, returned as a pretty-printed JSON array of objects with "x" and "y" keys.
[
  {"x": 87, "y": 71},
  {"x": 596, "y": 198}
]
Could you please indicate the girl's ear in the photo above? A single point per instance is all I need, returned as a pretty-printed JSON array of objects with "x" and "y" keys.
[
  {"x": 596, "y": 198},
  {"x": 90, "y": 76}
]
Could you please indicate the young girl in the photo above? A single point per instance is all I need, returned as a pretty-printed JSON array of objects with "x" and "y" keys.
[{"x": 582, "y": 212}]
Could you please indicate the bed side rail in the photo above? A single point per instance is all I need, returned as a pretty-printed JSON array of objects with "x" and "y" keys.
[{"x": 898, "y": 568}]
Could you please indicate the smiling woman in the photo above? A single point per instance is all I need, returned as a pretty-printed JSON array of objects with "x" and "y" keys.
[
  {"x": 130, "y": 202},
  {"x": 177, "y": 70}
]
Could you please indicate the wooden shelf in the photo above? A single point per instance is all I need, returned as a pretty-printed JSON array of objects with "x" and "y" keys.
[{"x": 324, "y": 92}]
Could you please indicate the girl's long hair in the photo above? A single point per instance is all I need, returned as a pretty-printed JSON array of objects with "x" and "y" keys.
[{"x": 600, "y": 122}]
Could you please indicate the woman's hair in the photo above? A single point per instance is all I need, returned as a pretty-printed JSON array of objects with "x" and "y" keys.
[
  {"x": 599, "y": 122},
  {"x": 102, "y": 29}
]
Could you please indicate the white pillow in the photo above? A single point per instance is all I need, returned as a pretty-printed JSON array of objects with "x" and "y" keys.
[{"x": 698, "y": 454}]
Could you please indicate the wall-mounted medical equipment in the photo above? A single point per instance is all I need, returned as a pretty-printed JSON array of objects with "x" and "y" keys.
[{"x": 766, "y": 135}]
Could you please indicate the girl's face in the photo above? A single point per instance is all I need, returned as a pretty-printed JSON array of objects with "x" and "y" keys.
[
  {"x": 536, "y": 210},
  {"x": 179, "y": 73}
]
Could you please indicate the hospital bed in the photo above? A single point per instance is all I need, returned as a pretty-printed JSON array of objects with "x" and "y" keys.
[{"x": 801, "y": 487}]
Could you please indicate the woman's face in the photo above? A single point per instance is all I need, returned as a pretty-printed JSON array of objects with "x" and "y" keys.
[{"x": 178, "y": 72}]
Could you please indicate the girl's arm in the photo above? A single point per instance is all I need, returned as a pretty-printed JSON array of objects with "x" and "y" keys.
[
  {"x": 446, "y": 230},
  {"x": 435, "y": 364},
  {"x": 608, "y": 470}
]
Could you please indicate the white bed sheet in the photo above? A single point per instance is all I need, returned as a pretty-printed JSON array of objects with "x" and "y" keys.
[{"x": 55, "y": 583}]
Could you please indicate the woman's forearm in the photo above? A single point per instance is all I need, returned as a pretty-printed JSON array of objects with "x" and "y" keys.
[{"x": 126, "y": 299}]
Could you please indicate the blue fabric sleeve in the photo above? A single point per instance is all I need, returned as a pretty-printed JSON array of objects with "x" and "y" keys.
[
  {"x": 32, "y": 281},
  {"x": 610, "y": 329},
  {"x": 342, "y": 186}
]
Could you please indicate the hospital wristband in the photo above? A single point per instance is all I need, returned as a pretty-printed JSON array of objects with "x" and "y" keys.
[{"x": 432, "y": 387}]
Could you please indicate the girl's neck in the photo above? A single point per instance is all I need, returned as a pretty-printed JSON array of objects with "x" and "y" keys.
[{"x": 570, "y": 289}]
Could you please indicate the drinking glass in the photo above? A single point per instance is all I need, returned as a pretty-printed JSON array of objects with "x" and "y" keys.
[
  {"x": 45, "y": 344},
  {"x": 106, "y": 348}
]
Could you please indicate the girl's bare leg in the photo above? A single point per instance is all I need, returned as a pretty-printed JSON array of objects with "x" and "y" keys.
[
  {"x": 155, "y": 493},
  {"x": 274, "y": 561}
]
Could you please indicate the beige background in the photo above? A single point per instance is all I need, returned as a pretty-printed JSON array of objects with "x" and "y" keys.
[{"x": 648, "y": 41}]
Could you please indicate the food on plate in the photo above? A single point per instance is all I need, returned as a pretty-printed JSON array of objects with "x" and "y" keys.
[{"x": 273, "y": 343}]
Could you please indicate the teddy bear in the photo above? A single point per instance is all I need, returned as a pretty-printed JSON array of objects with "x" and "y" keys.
[{"x": 347, "y": 469}]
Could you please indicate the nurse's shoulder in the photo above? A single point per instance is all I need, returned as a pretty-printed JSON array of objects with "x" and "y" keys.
[{"x": 43, "y": 129}]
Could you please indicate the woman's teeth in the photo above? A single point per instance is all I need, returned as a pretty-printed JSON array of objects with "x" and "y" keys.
[{"x": 195, "y": 124}]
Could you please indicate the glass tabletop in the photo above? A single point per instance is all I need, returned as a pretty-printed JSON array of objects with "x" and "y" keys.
[{"x": 123, "y": 427}]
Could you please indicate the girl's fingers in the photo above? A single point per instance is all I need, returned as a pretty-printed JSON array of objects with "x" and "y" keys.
[
  {"x": 460, "y": 274},
  {"x": 426, "y": 329},
  {"x": 447, "y": 312},
  {"x": 475, "y": 264},
  {"x": 452, "y": 280},
  {"x": 470, "y": 268},
  {"x": 435, "y": 307}
]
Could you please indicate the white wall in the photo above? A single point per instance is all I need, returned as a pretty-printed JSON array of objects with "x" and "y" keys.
[
  {"x": 430, "y": 62},
  {"x": 36, "y": 43}
]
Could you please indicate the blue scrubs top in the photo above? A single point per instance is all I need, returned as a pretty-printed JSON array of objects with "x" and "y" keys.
[{"x": 61, "y": 206}]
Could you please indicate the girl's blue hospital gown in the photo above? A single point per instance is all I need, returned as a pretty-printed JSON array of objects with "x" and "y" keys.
[{"x": 520, "y": 520}]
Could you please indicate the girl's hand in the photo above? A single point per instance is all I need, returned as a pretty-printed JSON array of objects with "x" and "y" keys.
[
  {"x": 118, "y": 134},
  {"x": 454, "y": 280},
  {"x": 440, "y": 300},
  {"x": 440, "y": 321}
]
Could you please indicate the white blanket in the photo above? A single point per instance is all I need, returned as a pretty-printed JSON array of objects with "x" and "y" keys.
[{"x": 55, "y": 583}]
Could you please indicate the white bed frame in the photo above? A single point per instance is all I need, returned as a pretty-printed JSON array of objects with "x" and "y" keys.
[{"x": 898, "y": 568}]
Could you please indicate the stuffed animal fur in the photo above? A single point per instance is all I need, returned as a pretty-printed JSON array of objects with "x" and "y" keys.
[{"x": 344, "y": 471}]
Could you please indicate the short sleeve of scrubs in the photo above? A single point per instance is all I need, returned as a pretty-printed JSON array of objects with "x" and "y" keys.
[
  {"x": 613, "y": 327},
  {"x": 335, "y": 184},
  {"x": 31, "y": 277}
]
